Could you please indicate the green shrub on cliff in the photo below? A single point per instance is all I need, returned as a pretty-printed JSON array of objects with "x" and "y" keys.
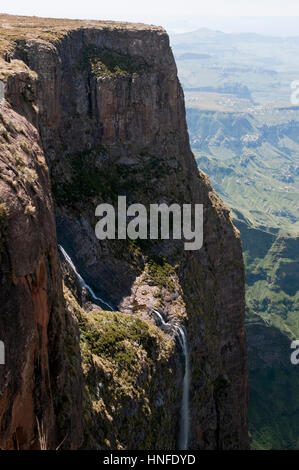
[
  {"x": 125, "y": 360},
  {"x": 160, "y": 272},
  {"x": 103, "y": 62},
  {"x": 89, "y": 180}
]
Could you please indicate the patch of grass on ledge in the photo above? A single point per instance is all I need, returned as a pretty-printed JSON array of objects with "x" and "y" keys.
[
  {"x": 160, "y": 272},
  {"x": 126, "y": 364},
  {"x": 115, "y": 336},
  {"x": 119, "y": 338},
  {"x": 103, "y": 62},
  {"x": 88, "y": 180}
]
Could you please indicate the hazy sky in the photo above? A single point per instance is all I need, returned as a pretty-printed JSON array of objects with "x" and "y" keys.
[{"x": 176, "y": 15}]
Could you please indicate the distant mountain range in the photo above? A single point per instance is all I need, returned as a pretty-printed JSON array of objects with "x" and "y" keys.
[{"x": 251, "y": 154}]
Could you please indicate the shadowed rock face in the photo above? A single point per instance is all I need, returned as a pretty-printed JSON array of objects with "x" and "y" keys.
[{"x": 111, "y": 121}]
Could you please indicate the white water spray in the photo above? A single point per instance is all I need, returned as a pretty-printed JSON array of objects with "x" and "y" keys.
[
  {"x": 185, "y": 419},
  {"x": 81, "y": 280}
]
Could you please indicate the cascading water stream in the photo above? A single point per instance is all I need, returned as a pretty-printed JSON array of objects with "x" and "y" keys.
[
  {"x": 185, "y": 420},
  {"x": 81, "y": 280},
  {"x": 182, "y": 338}
]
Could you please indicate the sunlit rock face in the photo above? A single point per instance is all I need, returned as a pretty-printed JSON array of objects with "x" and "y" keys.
[{"x": 102, "y": 114}]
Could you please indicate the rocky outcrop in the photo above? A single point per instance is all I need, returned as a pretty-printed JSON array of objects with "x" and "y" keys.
[
  {"x": 33, "y": 324},
  {"x": 109, "y": 113}
]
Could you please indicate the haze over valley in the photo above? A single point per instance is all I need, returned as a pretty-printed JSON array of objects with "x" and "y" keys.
[{"x": 244, "y": 132}]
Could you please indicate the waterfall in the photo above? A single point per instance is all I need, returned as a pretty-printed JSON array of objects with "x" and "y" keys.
[
  {"x": 161, "y": 319},
  {"x": 184, "y": 416},
  {"x": 184, "y": 427},
  {"x": 180, "y": 334},
  {"x": 81, "y": 280}
]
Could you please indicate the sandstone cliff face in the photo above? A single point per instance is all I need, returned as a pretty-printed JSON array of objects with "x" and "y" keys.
[
  {"x": 111, "y": 121},
  {"x": 33, "y": 324}
]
